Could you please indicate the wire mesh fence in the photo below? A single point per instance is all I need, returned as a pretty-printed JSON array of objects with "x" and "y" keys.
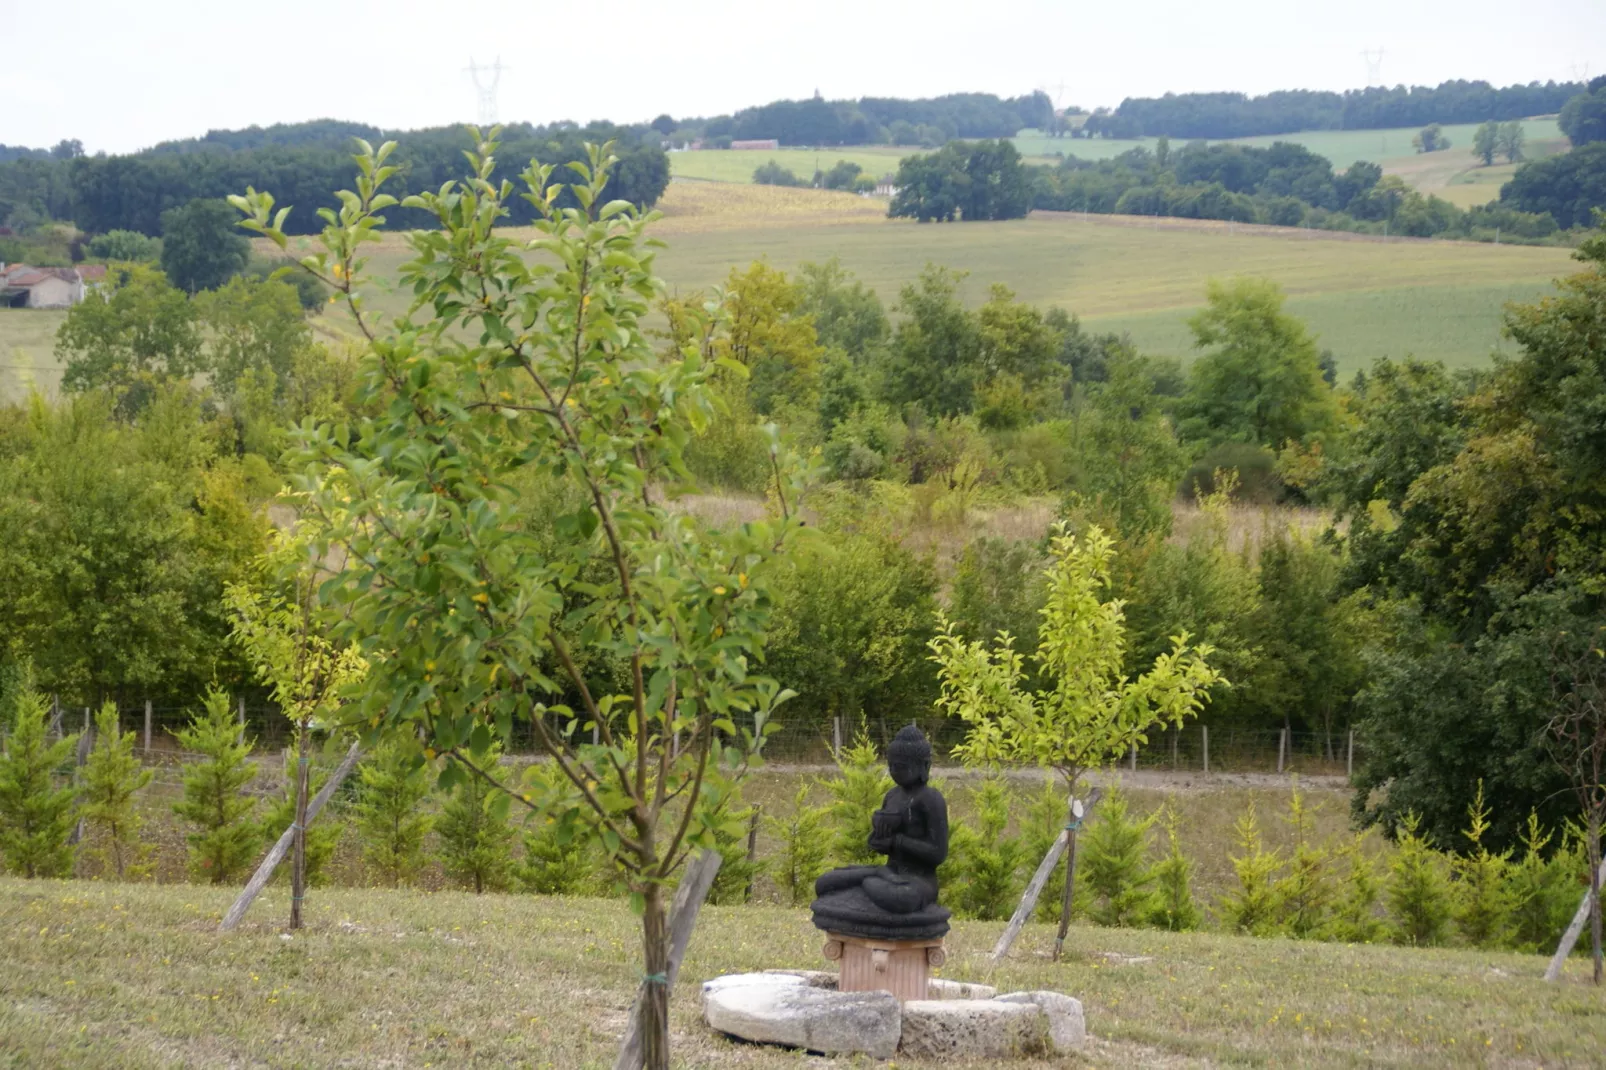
[{"x": 1196, "y": 747}]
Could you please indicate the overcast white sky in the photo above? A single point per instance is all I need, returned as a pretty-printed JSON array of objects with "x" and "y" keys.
[{"x": 121, "y": 74}]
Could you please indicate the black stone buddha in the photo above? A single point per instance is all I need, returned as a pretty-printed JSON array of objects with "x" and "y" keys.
[{"x": 897, "y": 901}]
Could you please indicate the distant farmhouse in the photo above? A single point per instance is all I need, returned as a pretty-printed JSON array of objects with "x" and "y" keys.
[
  {"x": 765, "y": 144},
  {"x": 22, "y": 286}
]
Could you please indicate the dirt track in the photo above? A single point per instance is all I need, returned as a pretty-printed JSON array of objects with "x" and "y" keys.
[{"x": 1152, "y": 779}]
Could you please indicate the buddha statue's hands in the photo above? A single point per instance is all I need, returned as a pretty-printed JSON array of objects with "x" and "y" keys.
[{"x": 884, "y": 828}]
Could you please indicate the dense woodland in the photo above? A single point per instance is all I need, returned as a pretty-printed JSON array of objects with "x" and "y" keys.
[
  {"x": 1230, "y": 115},
  {"x": 303, "y": 162}
]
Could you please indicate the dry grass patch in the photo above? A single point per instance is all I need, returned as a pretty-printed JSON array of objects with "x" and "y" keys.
[{"x": 122, "y": 976}]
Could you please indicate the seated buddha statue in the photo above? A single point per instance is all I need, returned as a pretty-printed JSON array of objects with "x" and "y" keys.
[{"x": 897, "y": 900}]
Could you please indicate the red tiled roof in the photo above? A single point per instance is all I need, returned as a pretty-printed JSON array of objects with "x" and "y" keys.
[
  {"x": 89, "y": 272},
  {"x": 32, "y": 278}
]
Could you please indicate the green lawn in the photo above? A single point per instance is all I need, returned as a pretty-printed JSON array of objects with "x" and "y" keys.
[{"x": 123, "y": 976}]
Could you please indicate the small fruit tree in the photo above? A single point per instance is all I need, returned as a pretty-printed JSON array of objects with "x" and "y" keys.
[
  {"x": 1089, "y": 712},
  {"x": 510, "y": 553},
  {"x": 277, "y": 625}
]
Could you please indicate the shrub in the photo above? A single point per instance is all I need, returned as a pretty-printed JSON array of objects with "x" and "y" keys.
[
  {"x": 1483, "y": 899},
  {"x": 804, "y": 848},
  {"x": 982, "y": 861},
  {"x": 734, "y": 881},
  {"x": 999, "y": 586},
  {"x": 856, "y": 793},
  {"x": 1541, "y": 889},
  {"x": 1418, "y": 891},
  {"x": 125, "y": 245},
  {"x": 1354, "y": 919},
  {"x": 1253, "y": 909},
  {"x": 556, "y": 860},
  {"x": 1304, "y": 894},
  {"x": 474, "y": 834},
  {"x": 1172, "y": 905},
  {"x": 112, "y": 776},
  {"x": 394, "y": 783},
  {"x": 1111, "y": 863},
  {"x": 1257, "y": 481},
  {"x": 773, "y": 174},
  {"x": 225, "y": 838},
  {"x": 36, "y": 809}
]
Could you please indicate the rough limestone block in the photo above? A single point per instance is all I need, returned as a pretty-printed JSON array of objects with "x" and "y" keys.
[
  {"x": 972, "y": 1029},
  {"x": 937, "y": 988},
  {"x": 740, "y": 980},
  {"x": 812, "y": 978},
  {"x": 792, "y": 1013},
  {"x": 1067, "y": 1029}
]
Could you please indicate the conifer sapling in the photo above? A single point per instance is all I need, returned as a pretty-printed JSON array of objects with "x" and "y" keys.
[
  {"x": 112, "y": 777},
  {"x": 36, "y": 806},
  {"x": 224, "y": 838},
  {"x": 394, "y": 782}
]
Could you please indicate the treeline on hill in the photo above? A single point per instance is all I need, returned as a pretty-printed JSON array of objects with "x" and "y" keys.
[
  {"x": 1467, "y": 505},
  {"x": 1283, "y": 185},
  {"x": 301, "y": 162},
  {"x": 872, "y": 120},
  {"x": 1232, "y": 115}
]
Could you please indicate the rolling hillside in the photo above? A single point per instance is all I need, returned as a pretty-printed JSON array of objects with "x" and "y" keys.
[{"x": 1365, "y": 298}]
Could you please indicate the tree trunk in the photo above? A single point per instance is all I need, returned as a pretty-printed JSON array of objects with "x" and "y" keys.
[
  {"x": 1070, "y": 874},
  {"x": 655, "y": 992},
  {"x": 694, "y": 886},
  {"x": 298, "y": 866}
]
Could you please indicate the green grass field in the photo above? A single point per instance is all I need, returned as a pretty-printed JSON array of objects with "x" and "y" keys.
[
  {"x": 1364, "y": 298},
  {"x": 27, "y": 339},
  {"x": 132, "y": 976},
  {"x": 1452, "y": 173},
  {"x": 1342, "y": 147},
  {"x": 738, "y": 166}
]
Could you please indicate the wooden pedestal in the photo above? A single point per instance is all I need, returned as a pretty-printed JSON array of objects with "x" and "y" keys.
[{"x": 901, "y": 967}]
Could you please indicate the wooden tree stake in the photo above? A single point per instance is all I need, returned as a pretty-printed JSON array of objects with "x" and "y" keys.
[
  {"x": 1570, "y": 937},
  {"x": 264, "y": 873},
  {"x": 689, "y": 896},
  {"x": 1045, "y": 869}
]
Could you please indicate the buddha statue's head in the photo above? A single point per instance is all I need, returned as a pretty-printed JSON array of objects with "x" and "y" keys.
[{"x": 909, "y": 757}]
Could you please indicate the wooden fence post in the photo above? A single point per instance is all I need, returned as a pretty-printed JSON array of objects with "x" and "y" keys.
[
  {"x": 242, "y": 718},
  {"x": 752, "y": 849},
  {"x": 1282, "y": 748},
  {"x": 1176, "y": 734},
  {"x": 836, "y": 739},
  {"x": 1349, "y": 755},
  {"x": 147, "y": 727},
  {"x": 1132, "y": 762},
  {"x": 86, "y": 741},
  {"x": 1206, "y": 729}
]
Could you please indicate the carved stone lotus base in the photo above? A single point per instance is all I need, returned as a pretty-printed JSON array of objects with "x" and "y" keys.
[{"x": 902, "y": 967}]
